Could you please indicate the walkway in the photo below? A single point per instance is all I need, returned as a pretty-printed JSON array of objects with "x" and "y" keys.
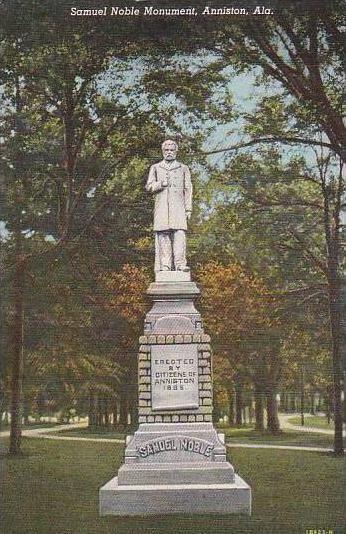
[
  {"x": 39, "y": 432},
  {"x": 52, "y": 433},
  {"x": 285, "y": 424}
]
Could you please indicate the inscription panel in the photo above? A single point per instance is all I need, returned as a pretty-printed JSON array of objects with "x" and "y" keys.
[
  {"x": 176, "y": 443},
  {"x": 174, "y": 377}
]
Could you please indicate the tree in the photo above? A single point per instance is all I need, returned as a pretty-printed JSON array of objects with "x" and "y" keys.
[
  {"x": 302, "y": 52},
  {"x": 64, "y": 118},
  {"x": 308, "y": 370},
  {"x": 242, "y": 318},
  {"x": 298, "y": 204},
  {"x": 297, "y": 56},
  {"x": 125, "y": 299}
]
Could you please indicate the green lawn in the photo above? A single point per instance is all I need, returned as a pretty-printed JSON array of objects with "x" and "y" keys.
[
  {"x": 92, "y": 433},
  {"x": 286, "y": 437},
  {"x": 53, "y": 489},
  {"x": 314, "y": 421},
  {"x": 239, "y": 435}
]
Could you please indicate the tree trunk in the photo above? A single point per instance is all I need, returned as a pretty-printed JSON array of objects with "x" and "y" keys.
[
  {"x": 335, "y": 324},
  {"x": 94, "y": 410},
  {"x": 134, "y": 409},
  {"x": 283, "y": 406},
  {"x": 312, "y": 405},
  {"x": 123, "y": 407},
  {"x": 2, "y": 349},
  {"x": 99, "y": 411},
  {"x": 2, "y": 413},
  {"x": 238, "y": 404},
  {"x": 91, "y": 414},
  {"x": 251, "y": 411},
  {"x": 18, "y": 352},
  {"x": 134, "y": 415},
  {"x": 133, "y": 391},
  {"x": 259, "y": 409},
  {"x": 18, "y": 289},
  {"x": 216, "y": 412},
  {"x": 319, "y": 402},
  {"x": 231, "y": 407},
  {"x": 106, "y": 412},
  {"x": 328, "y": 408},
  {"x": 69, "y": 160},
  {"x": 115, "y": 413},
  {"x": 302, "y": 395},
  {"x": 332, "y": 226},
  {"x": 273, "y": 424}
]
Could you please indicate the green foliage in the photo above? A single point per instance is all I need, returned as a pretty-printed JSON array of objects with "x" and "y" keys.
[{"x": 86, "y": 105}]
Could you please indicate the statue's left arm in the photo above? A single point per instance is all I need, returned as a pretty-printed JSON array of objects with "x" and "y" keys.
[{"x": 187, "y": 191}]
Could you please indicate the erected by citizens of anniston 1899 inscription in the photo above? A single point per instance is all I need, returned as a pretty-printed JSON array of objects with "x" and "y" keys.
[{"x": 174, "y": 377}]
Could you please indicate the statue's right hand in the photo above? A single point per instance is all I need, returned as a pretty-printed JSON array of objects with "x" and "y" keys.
[{"x": 164, "y": 183}]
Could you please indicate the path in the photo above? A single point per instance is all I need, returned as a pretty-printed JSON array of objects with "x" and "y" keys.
[
  {"x": 37, "y": 432},
  {"x": 285, "y": 424},
  {"x": 46, "y": 433}
]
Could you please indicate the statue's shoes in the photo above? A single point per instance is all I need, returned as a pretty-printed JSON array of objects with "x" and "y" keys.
[{"x": 185, "y": 269}]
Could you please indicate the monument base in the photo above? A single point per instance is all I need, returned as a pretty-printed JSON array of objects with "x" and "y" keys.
[
  {"x": 126, "y": 500},
  {"x": 176, "y": 461}
]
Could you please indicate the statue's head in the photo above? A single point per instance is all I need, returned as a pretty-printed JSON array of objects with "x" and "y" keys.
[{"x": 169, "y": 150}]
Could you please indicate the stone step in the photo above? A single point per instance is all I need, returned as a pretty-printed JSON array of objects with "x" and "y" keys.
[
  {"x": 173, "y": 473},
  {"x": 148, "y": 500}
]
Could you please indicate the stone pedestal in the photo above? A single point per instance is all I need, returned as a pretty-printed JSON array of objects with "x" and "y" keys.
[{"x": 176, "y": 461}]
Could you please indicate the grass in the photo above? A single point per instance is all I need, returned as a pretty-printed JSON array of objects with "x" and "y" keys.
[
  {"x": 286, "y": 437},
  {"x": 53, "y": 489},
  {"x": 93, "y": 433},
  {"x": 313, "y": 421}
]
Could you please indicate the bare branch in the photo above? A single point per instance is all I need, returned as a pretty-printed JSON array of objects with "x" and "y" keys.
[
  {"x": 272, "y": 139},
  {"x": 308, "y": 252},
  {"x": 288, "y": 204}
]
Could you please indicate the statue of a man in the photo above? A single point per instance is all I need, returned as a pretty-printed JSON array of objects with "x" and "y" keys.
[{"x": 170, "y": 181}]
